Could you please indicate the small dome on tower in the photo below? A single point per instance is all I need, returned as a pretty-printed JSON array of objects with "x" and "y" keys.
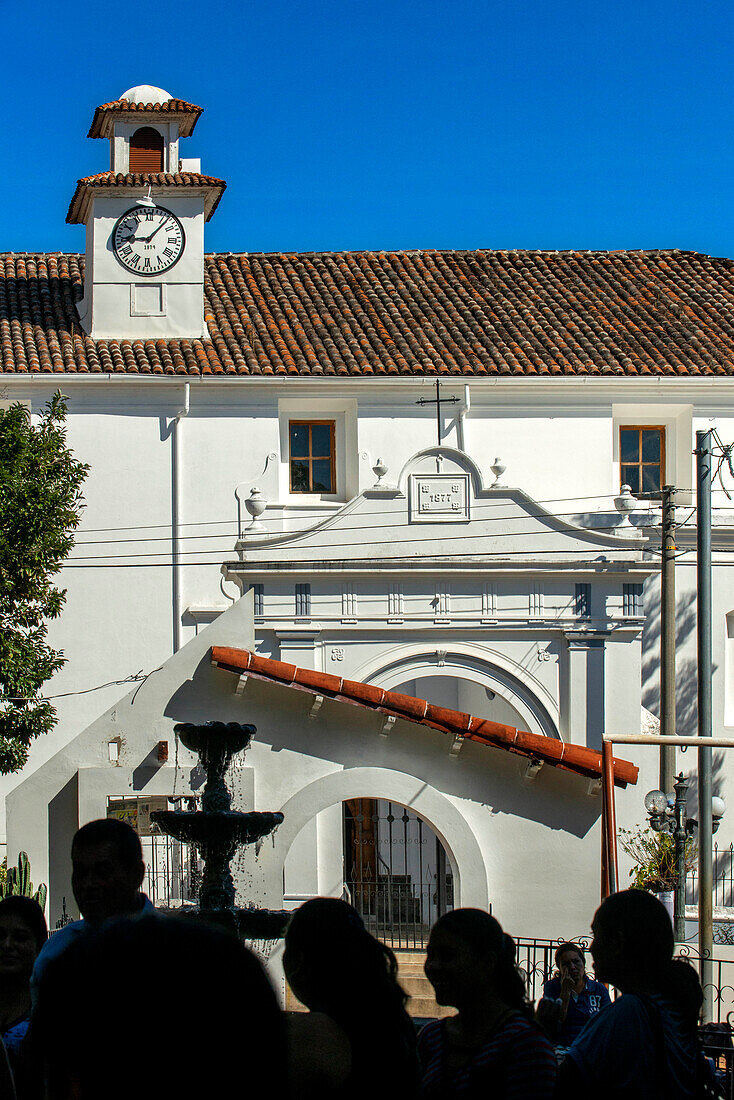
[{"x": 146, "y": 93}]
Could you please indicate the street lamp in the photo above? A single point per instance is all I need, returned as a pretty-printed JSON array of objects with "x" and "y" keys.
[{"x": 668, "y": 814}]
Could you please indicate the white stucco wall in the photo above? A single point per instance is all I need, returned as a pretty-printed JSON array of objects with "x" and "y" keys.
[{"x": 556, "y": 436}]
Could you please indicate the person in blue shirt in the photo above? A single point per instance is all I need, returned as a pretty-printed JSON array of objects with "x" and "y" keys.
[
  {"x": 644, "y": 1044},
  {"x": 107, "y": 873},
  {"x": 570, "y": 999}
]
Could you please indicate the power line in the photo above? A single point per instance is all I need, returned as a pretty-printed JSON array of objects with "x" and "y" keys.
[{"x": 132, "y": 679}]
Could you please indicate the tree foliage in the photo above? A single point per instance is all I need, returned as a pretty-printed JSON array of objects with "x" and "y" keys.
[{"x": 40, "y": 507}]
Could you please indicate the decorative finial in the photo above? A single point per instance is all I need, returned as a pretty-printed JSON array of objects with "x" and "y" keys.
[
  {"x": 498, "y": 468},
  {"x": 379, "y": 469},
  {"x": 147, "y": 199},
  {"x": 255, "y": 505},
  {"x": 625, "y": 504}
]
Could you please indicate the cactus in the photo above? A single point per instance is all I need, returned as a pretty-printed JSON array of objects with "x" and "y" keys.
[{"x": 18, "y": 881}]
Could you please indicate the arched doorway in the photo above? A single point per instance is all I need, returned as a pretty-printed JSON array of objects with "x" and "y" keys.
[
  {"x": 396, "y": 872},
  {"x": 307, "y": 857}
]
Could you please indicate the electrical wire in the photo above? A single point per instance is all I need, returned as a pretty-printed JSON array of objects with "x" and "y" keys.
[{"x": 132, "y": 679}]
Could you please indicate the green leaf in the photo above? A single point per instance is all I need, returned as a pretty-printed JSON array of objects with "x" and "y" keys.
[{"x": 41, "y": 506}]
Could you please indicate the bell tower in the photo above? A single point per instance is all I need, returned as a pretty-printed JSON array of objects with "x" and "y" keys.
[{"x": 144, "y": 218}]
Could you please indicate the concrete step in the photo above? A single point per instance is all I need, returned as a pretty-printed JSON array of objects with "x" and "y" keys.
[
  {"x": 413, "y": 980},
  {"x": 412, "y": 977},
  {"x": 426, "y": 1008},
  {"x": 416, "y": 985}
]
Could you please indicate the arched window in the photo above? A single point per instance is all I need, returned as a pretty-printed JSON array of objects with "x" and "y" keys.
[{"x": 146, "y": 150}]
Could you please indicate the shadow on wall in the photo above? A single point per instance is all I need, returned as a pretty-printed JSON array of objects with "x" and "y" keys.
[
  {"x": 491, "y": 778},
  {"x": 686, "y": 674}
]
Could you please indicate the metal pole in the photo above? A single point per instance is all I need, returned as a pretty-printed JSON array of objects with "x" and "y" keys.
[
  {"x": 680, "y": 836},
  {"x": 667, "y": 639},
  {"x": 438, "y": 412},
  {"x": 705, "y": 824},
  {"x": 610, "y": 817}
]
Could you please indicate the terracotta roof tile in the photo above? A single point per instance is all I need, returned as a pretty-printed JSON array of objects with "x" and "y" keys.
[
  {"x": 465, "y": 314},
  {"x": 559, "y": 754},
  {"x": 76, "y": 214},
  {"x": 106, "y": 112}
]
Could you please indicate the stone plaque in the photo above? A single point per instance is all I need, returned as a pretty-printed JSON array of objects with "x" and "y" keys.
[{"x": 439, "y": 498}]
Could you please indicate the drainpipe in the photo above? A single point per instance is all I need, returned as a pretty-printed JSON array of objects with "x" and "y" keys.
[
  {"x": 177, "y": 462},
  {"x": 462, "y": 413}
]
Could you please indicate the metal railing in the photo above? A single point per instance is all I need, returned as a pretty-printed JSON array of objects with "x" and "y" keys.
[
  {"x": 723, "y": 879},
  {"x": 397, "y": 909},
  {"x": 172, "y": 871},
  {"x": 536, "y": 960}
]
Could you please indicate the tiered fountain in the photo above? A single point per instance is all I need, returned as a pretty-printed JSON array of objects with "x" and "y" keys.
[{"x": 218, "y": 831}]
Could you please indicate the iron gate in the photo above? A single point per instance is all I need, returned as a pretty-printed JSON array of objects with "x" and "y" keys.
[{"x": 396, "y": 872}]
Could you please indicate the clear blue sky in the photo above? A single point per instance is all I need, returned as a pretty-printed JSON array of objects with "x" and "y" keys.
[{"x": 358, "y": 124}]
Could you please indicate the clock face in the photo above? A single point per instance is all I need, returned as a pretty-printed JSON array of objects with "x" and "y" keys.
[{"x": 148, "y": 240}]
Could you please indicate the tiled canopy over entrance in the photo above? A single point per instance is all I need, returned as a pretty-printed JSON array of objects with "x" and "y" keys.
[{"x": 574, "y": 758}]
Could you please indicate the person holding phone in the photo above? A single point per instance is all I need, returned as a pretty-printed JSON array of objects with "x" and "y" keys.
[{"x": 571, "y": 998}]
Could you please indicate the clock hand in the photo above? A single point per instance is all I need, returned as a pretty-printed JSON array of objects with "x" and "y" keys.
[{"x": 150, "y": 238}]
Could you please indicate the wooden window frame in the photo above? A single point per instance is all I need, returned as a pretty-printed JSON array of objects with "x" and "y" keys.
[
  {"x": 663, "y": 455},
  {"x": 311, "y": 458}
]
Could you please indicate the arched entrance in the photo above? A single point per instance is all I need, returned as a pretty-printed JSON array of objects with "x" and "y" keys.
[
  {"x": 396, "y": 872},
  {"x": 314, "y": 827}
]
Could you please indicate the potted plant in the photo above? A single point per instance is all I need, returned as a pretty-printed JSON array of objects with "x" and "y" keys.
[{"x": 653, "y": 855}]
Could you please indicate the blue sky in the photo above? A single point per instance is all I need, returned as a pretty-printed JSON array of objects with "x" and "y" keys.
[{"x": 358, "y": 125}]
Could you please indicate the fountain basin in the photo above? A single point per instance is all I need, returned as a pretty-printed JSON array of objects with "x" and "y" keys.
[
  {"x": 225, "y": 829},
  {"x": 224, "y": 738}
]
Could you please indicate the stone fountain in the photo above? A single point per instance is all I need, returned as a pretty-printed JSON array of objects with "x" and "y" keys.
[{"x": 218, "y": 831}]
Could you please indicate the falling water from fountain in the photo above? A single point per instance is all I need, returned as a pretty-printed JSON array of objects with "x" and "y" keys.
[{"x": 218, "y": 831}]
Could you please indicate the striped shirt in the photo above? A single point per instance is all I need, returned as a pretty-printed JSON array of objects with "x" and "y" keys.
[{"x": 516, "y": 1063}]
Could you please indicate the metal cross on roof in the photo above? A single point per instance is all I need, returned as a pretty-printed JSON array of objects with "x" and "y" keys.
[{"x": 437, "y": 402}]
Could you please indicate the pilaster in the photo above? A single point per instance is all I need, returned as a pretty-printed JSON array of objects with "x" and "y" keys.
[{"x": 583, "y": 687}]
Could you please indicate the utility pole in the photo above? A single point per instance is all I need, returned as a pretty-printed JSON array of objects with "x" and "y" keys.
[
  {"x": 705, "y": 817},
  {"x": 667, "y": 639}
]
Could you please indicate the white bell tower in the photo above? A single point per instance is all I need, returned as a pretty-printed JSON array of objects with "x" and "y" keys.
[{"x": 144, "y": 260}]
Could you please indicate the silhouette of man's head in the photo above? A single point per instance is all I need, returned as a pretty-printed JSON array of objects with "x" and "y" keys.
[
  {"x": 107, "y": 869},
  {"x": 158, "y": 1006},
  {"x": 633, "y": 940}
]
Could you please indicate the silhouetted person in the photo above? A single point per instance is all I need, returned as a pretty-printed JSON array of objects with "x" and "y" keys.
[
  {"x": 645, "y": 1043},
  {"x": 22, "y": 935},
  {"x": 158, "y": 1006},
  {"x": 571, "y": 998},
  {"x": 492, "y": 1047},
  {"x": 357, "y": 1040},
  {"x": 107, "y": 873}
]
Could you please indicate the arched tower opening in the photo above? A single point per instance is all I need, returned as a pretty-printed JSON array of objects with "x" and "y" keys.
[{"x": 146, "y": 150}]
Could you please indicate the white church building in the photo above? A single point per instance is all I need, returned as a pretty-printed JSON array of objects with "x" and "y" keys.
[{"x": 371, "y": 503}]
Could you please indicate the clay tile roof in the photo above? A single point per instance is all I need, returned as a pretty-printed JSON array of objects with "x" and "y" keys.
[
  {"x": 105, "y": 114},
  {"x": 461, "y": 314},
  {"x": 76, "y": 214},
  {"x": 534, "y": 746}
]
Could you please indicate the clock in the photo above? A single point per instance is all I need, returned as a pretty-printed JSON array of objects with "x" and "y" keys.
[{"x": 148, "y": 240}]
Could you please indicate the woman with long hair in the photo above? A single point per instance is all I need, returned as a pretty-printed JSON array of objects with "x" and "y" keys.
[
  {"x": 645, "y": 1043},
  {"x": 492, "y": 1047},
  {"x": 22, "y": 935},
  {"x": 356, "y": 1039}
]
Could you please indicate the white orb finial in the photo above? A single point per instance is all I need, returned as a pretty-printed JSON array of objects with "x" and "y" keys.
[{"x": 146, "y": 93}]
